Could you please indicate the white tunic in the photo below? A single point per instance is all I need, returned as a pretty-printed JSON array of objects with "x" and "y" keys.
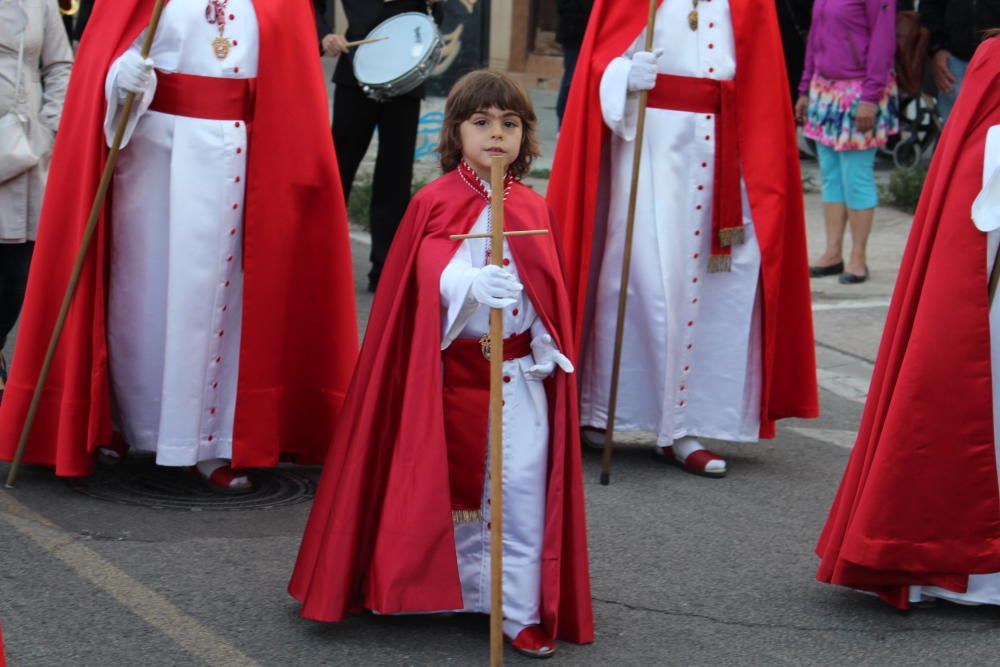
[
  {"x": 983, "y": 588},
  {"x": 525, "y": 449},
  {"x": 691, "y": 354},
  {"x": 175, "y": 301}
]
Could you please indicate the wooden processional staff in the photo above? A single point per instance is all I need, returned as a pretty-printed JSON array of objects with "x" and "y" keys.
[
  {"x": 609, "y": 433},
  {"x": 81, "y": 256},
  {"x": 496, "y": 236}
]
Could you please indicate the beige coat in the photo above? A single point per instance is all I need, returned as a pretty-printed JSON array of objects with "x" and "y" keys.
[{"x": 47, "y": 62}]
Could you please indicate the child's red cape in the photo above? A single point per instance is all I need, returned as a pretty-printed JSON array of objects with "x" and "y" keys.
[
  {"x": 770, "y": 169},
  {"x": 918, "y": 504},
  {"x": 299, "y": 337},
  {"x": 380, "y": 535}
]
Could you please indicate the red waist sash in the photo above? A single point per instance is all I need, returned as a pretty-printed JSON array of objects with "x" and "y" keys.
[
  {"x": 685, "y": 93},
  {"x": 466, "y": 395},
  {"x": 209, "y": 97}
]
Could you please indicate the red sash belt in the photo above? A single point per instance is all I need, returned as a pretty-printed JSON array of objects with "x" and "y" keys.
[
  {"x": 209, "y": 97},
  {"x": 684, "y": 93},
  {"x": 466, "y": 418}
]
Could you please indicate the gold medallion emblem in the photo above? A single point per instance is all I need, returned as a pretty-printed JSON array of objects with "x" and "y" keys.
[{"x": 220, "y": 46}]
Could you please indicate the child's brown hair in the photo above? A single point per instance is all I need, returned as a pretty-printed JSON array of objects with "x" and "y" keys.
[{"x": 478, "y": 91}]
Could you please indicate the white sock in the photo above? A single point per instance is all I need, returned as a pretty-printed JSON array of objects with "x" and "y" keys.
[
  {"x": 685, "y": 447},
  {"x": 688, "y": 445},
  {"x": 208, "y": 466},
  {"x": 512, "y": 628}
]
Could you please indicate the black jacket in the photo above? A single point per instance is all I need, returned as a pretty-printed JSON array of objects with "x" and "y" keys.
[
  {"x": 958, "y": 25},
  {"x": 573, "y": 17},
  {"x": 794, "y": 17},
  {"x": 362, "y": 17}
]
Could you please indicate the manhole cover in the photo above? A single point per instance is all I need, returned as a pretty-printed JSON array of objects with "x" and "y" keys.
[{"x": 139, "y": 481}]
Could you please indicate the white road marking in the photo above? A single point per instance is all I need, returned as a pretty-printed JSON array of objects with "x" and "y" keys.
[
  {"x": 150, "y": 606},
  {"x": 852, "y": 304}
]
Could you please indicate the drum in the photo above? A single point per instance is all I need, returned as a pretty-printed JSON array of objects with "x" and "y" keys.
[{"x": 410, "y": 49}]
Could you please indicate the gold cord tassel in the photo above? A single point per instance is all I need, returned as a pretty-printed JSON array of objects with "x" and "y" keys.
[
  {"x": 720, "y": 263},
  {"x": 731, "y": 236},
  {"x": 467, "y": 516}
]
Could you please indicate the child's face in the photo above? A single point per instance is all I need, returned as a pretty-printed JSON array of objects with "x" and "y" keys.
[{"x": 490, "y": 132}]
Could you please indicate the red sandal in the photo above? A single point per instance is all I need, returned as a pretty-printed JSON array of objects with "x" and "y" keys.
[
  {"x": 533, "y": 642},
  {"x": 696, "y": 462},
  {"x": 225, "y": 480}
]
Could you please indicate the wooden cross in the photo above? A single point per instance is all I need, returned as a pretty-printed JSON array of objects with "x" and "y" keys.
[{"x": 496, "y": 236}]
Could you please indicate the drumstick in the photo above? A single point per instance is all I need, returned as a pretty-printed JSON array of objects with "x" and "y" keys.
[{"x": 365, "y": 41}]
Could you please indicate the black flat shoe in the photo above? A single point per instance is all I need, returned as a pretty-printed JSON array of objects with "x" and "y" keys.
[
  {"x": 853, "y": 278},
  {"x": 592, "y": 438},
  {"x": 821, "y": 271}
]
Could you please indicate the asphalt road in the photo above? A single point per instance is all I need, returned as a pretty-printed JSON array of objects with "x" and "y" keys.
[{"x": 686, "y": 570}]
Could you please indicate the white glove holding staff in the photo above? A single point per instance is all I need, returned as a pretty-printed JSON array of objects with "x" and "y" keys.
[
  {"x": 642, "y": 75},
  {"x": 135, "y": 73},
  {"x": 495, "y": 288},
  {"x": 547, "y": 357}
]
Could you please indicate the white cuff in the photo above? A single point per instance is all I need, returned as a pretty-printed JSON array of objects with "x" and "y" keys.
[
  {"x": 619, "y": 107},
  {"x": 116, "y": 104},
  {"x": 986, "y": 207},
  {"x": 456, "y": 299}
]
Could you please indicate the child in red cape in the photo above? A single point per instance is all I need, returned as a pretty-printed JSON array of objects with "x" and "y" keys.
[{"x": 400, "y": 523}]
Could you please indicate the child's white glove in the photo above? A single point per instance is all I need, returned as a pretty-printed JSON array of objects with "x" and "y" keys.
[
  {"x": 134, "y": 73},
  {"x": 547, "y": 357},
  {"x": 642, "y": 74},
  {"x": 495, "y": 288}
]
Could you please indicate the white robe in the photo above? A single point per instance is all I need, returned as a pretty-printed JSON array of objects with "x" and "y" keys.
[
  {"x": 525, "y": 449},
  {"x": 691, "y": 356},
  {"x": 175, "y": 301},
  {"x": 983, "y": 588}
]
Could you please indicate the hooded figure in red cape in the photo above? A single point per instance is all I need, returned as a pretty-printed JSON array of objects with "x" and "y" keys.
[
  {"x": 718, "y": 336},
  {"x": 401, "y": 520},
  {"x": 918, "y": 511},
  {"x": 215, "y": 310}
]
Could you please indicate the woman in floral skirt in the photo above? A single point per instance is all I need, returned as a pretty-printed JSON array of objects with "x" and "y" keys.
[{"x": 848, "y": 105}]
